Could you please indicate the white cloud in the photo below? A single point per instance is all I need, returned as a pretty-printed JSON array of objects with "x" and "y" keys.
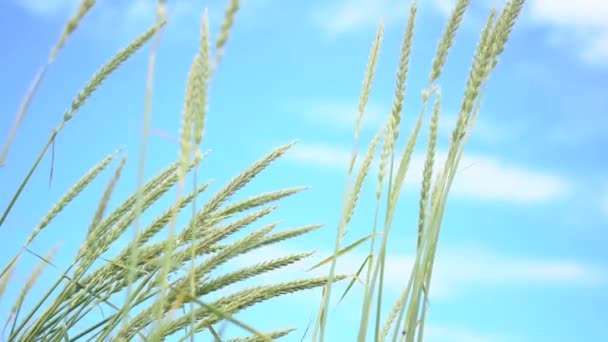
[
  {"x": 579, "y": 25},
  {"x": 448, "y": 280},
  {"x": 604, "y": 200},
  {"x": 582, "y": 21},
  {"x": 479, "y": 267},
  {"x": 112, "y": 19},
  {"x": 347, "y": 16},
  {"x": 480, "y": 177},
  {"x": 476, "y": 15},
  {"x": 583, "y": 13},
  {"x": 340, "y": 114},
  {"x": 319, "y": 155},
  {"x": 133, "y": 9},
  {"x": 135, "y": 16},
  {"x": 352, "y": 15},
  {"x": 47, "y": 7},
  {"x": 490, "y": 179},
  {"x": 138, "y": 9},
  {"x": 484, "y": 129},
  {"x": 456, "y": 271},
  {"x": 444, "y": 7},
  {"x": 445, "y": 333}
]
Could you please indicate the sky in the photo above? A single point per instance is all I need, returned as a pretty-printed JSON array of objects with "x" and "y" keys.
[{"x": 522, "y": 253}]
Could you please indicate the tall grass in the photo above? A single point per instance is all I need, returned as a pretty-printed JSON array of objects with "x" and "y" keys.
[{"x": 160, "y": 279}]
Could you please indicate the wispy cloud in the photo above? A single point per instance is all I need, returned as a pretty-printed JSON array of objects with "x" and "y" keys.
[
  {"x": 111, "y": 19},
  {"x": 492, "y": 179},
  {"x": 342, "y": 115},
  {"x": 450, "y": 333},
  {"x": 480, "y": 177},
  {"x": 604, "y": 200},
  {"x": 339, "y": 115},
  {"x": 47, "y": 8},
  {"x": 135, "y": 16},
  {"x": 445, "y": 7},
  {"x": 319, "y": 155},
  {"x": 475, "y": 17},
  {"x": 473, "y": 266},
  {"x": 133, "y": 9},
  {"x": 457, "y": 270},
  {"x": 581, "y": 24},
  {"x": 484, "y": 129},
  {"x": 347, "y": 16}
]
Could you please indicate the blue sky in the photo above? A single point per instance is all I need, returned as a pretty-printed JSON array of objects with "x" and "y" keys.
[{"x": 522, "y": 253}]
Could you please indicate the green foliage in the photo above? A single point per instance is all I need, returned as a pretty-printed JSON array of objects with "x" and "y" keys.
[{"x": 162, "y": 278}]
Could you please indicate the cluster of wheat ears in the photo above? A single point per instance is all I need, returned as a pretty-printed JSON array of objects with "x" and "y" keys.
[{"x": 158, "y": 307}]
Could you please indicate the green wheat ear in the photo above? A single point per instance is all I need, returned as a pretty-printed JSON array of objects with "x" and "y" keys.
[
  {"x": 70, "y": 27},
  {"x": 29, "y": 284},
  {"x": 351, "y": 196},
  {"x": 84, "y": 8},
  {"x": 80, "y": 99},
  {"x": 155, "y": 273},
  {"x": 274, "y": 335},
  {"x": 71, "y": 194},
  {"x": 109, "y": 68},
  {"x": 369, "y": 77},
  {"x": 229, "y": 17},
  {"x": 62, "y": 203},
  {"x": 202, "y": 82}
]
